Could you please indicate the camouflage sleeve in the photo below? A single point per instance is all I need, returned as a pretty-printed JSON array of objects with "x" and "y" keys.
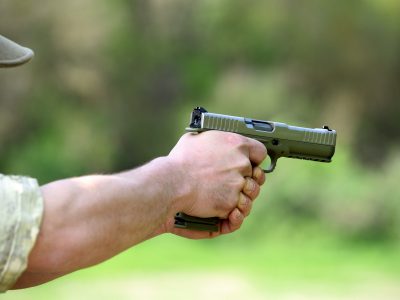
[{"x": 21, "y": 210}]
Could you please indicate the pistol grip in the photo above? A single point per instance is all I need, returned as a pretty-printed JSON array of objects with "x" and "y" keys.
[{"x": 185, "y": 221}]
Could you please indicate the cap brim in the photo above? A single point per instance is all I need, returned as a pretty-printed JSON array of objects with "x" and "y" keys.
[{"x": 12, "y": 54}]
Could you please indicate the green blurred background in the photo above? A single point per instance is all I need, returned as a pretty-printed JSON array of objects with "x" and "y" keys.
[{"x": 112, "y": 86}]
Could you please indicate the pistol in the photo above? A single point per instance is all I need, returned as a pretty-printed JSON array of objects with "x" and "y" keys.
[{"x": 280, "y": 139}]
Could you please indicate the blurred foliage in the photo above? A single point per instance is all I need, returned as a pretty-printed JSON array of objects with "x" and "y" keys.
[{"x": 113, "y": 83}]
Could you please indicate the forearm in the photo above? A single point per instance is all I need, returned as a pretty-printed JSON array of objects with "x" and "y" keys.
[{"x": 90, "y": 219}]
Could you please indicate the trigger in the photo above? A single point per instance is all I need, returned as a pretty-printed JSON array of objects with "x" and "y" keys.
[{"x": 272, "y": 166}]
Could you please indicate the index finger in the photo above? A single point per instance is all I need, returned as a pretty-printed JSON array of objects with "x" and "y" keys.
[{"x": 257, "y": 151}]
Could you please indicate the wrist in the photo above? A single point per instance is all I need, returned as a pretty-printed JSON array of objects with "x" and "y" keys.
[
  {"x": 179, "y": 179},
  {"x": 167, "y": 178},
  {"x": 170, "y": 177}
]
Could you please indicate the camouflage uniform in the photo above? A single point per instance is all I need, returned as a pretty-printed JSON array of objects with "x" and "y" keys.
[
  {"x": 21, "y": 204},
  {"x": 21, "y": 210}
]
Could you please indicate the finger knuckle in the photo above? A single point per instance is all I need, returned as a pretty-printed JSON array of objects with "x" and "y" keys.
[
  {"x": 261, "y": 178},
  {"x": 235, "y": 139},
  {"x": 245, "y": 166},
  {"x": 238, "y": 218},
  {"x": 223, "y": 206},
  {"x": 247, "y": 210},
  {"x": 249, "y": 186},
  {"x": 256, "y": 190},
  {"x": 264, "y": 151},
  {"x": 244, "y": 202},
  {"x": 238, "y": 184},
  {"x": 257, "y": 172},
  {"x": 261, "y": 147}
]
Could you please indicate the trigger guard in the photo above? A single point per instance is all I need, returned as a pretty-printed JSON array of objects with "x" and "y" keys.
[{"x": 272, "y": 166}]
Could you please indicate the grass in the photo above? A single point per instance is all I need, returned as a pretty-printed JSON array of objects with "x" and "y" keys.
[{"x": 170, "y": 267}]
